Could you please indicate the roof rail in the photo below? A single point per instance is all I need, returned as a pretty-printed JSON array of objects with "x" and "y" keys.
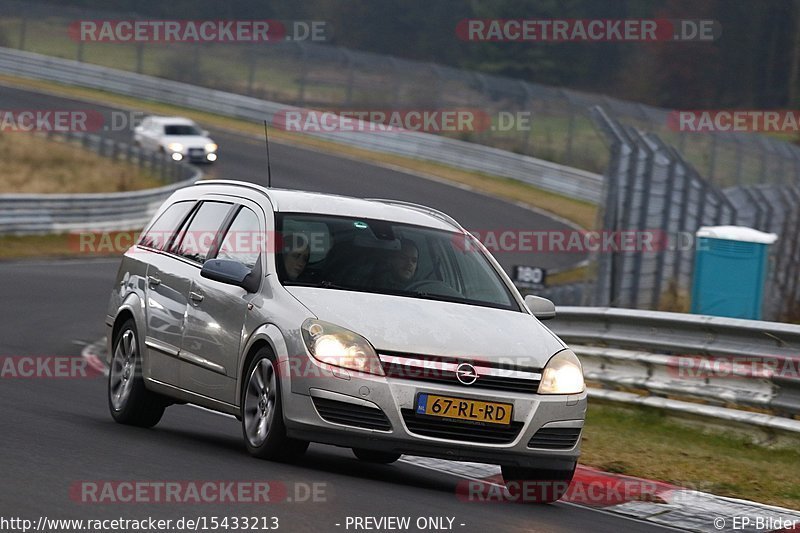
[
  {"x": 247, "y": 185},
  {"x": 423, "y": 208}
]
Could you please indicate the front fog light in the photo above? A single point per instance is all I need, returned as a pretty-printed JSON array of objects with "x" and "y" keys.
[
  {"x": 562, "y": 375},
  {"x": 177, "y": 156},
  {"x": 211, "y": 157},
  {"x": 337, "y": 346}
]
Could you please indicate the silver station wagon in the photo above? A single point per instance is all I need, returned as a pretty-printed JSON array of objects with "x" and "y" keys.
[{"x": 376, "y": 325}]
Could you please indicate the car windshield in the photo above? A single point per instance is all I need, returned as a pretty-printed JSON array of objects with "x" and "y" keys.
[
  {"x": 181, "y": 129},
  {"x": 385, "y": 257}
]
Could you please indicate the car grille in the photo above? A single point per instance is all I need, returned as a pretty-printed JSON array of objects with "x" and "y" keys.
[
  {"x": 463, "y": 431},
  {"x": 555, "y": 438},
  {"x": 350, "y": 414},
  {"x": 443, "y": 371}
]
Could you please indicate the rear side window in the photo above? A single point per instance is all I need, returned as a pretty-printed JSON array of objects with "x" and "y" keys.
[
  {"x": 244, "y": 240},
  {"x": 160, "y": 233},
  {"x": 203, "y": 231}
]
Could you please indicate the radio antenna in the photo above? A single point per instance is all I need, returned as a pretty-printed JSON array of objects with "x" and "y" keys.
[{"x": 269, "y": 170}]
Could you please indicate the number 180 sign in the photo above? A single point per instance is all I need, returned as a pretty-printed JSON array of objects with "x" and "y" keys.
[{"x": 528, "y": 277}]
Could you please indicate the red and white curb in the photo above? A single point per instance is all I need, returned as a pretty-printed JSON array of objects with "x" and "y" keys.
[{"x": 640, "y": 499}]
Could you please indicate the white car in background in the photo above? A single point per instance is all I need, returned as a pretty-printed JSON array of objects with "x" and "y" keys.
[{"x": 180, "y": 138}]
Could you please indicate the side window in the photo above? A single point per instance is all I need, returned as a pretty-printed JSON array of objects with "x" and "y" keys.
[
  {"x": 244, "y": 240},
  {"x": 162, "y": 230},
  {"x": 202, "y": 232}
]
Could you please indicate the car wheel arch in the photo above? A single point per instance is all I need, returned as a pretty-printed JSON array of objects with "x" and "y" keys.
[
  {"x": 265, "y": 335},
  {"x": 132, "y": 307}
]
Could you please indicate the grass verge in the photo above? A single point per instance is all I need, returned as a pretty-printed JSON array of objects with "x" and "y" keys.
[
  {"x": 646, "y": 443},
  {"x": 35, "y": 164},
  {"x": 37, "y": 246}
]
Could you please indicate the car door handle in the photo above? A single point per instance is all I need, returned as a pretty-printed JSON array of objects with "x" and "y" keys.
[
  {"x": 154, "y": 281},
  {"x": 196, "y": 297}
]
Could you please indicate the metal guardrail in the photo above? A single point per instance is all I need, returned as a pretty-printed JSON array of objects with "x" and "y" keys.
[
  {"x": 60, "y": 213},
  {"x": 468, "y": 156},
  {"x": 742, "y": 371}
]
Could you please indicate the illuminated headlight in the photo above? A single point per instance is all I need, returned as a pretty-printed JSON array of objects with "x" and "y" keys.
[
  {"x": 211, "y": 147},
  {"x": 175, "y": 147},
  {"x": 336, "y": 346},
  {"x": 562, "y": 375}
]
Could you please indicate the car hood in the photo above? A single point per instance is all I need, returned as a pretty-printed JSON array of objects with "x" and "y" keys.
[
  {"x": 417, "y": 326},
  {"x": 190, "y": 141}
]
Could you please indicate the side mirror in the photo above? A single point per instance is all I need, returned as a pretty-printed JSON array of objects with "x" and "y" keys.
[
  {"x": 232, "y": 273},
  {"x": 542, "y": 308},
  {"x": 206, "y": 133}
]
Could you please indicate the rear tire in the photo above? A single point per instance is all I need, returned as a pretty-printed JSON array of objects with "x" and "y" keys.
[
  {"x": 536, "y": 485},
  {"x": 372, "y": 456},
  {"x": 262, "y": 413},
  {"x": 129, "y": 400}
]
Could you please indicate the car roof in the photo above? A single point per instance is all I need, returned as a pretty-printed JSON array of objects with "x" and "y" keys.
[
  {"x": 172, "y": 120},
  {"x": 296, "y": 201}
]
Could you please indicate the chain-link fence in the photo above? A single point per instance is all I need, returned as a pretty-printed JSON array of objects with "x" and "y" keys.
[
  {"x": 323, "y": 76},
  {"x": 652, "y": 191}
]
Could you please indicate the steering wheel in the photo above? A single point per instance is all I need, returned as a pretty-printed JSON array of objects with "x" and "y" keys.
[{"x": 433, "y": 286}]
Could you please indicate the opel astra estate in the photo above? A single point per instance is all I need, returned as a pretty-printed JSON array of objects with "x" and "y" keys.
[{"x": 376, "y": 325}]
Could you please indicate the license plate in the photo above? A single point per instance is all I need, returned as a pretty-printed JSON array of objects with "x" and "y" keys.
[{"x": 463, "y": 409}]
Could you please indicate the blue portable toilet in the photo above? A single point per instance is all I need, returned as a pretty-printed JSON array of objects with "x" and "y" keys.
[{"x": 730, "y": 271}]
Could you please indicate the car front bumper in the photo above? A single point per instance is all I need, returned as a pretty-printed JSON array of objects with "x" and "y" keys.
[{"x": 394, "y": 397}]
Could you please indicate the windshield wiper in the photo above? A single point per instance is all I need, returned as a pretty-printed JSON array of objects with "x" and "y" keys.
[{"x": 322, "y": 284}]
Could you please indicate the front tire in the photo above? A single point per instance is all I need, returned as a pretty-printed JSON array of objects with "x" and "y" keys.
[
  {"x": 372, "y": 456},
  {"x": 129, "y": 400},
  {"x": 262, "y": 413},
  {"x": 536, "y": 485}
]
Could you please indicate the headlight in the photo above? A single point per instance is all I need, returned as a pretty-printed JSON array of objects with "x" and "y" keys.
[
  {"x": 562, "y": 375},
  {"x": 211, "y": 147},
  {"x": 336, "y": 346},
  {"x": 175, "y": 147}
]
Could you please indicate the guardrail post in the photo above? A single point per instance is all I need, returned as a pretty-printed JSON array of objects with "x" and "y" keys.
[
  {"x": 251, "y": 69},
  {"x": 23, "y": 29},
  {"x": 139, "y": 57}
]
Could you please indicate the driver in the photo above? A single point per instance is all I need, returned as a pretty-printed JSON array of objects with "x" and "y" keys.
[
  {"x": 295, "y": 254},
  {"x": 402, "y": 266}
]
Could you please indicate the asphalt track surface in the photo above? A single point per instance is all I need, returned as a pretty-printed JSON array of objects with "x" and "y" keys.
[
  {"x": 244, "y": 158},
  {"x": 57, "y": 432}
]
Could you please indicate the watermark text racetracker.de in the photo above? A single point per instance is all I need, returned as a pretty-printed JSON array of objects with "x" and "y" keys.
[
  {"x": 734, "y": 121},
  {"x": 705, "y": 367},
  {"x": 587, "y": 30},
  {"x": 47, "y": 367},
  {"x": 46, "y": 524},
  {"x": 197, "y": 31},
  {"x": 385, "y": 120},
  {"x": 494, "y": 240},
  {"x": 38, "y": 120},
  {"x": 50, "y": 120},
  {"x": 212, "y": 492}
]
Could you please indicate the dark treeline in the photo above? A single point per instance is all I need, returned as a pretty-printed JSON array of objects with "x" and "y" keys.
[{"x": 753, "y": 64}]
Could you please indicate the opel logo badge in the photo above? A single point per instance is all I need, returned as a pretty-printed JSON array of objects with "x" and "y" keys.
[{"x": 466, "y": 374}]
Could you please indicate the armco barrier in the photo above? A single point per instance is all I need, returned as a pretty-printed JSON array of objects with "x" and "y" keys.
[
  {"x": 469, "y": 156},
  {"x": 61, "y": 213},
  {"x": 748, "y": 371}
]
